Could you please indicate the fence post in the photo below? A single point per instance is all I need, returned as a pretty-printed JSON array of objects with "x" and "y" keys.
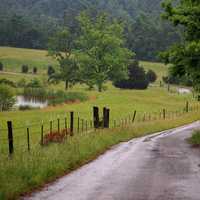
[
  {"x": 134, "y": 115},
  {"x": 187, "y": 106},
  {"x": 71, "y": 123},
  {"x": 106, "y": 117},
  {"x": 10, "y": 137},
  {"x": 65, "y": 125},
  {"x": 28, "y": 139},
  {"x": 96, "y": 117},
  {"x": 51, "y": 126},
  {"x": 78, "y": 125},
  {"x": 58, "y": 125},
  {"x": 164, "y": 113},
  {"x": 42, "y": 135},
  {"x": 82, "y": 123}
]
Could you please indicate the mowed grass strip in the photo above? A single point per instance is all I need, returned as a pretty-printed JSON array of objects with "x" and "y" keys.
[{"x": 27, "y": 171}]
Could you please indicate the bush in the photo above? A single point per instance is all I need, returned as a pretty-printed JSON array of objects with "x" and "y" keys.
[
  {"x": 21, "y": 83},
  {"x": 7, "y": 97},
  {"x": 23, "y": 108},
  {"x": 24, "y": 68},
  {"x": 7, "y": 82},
  {"x": 151, "y": 76},
  {"x": 50, "y": 70},
  {"x": 34, "y": 83},
  {"x": 1, "y": 66},
  {"x": 137, "y": 78},
  {"x": 195, "y": 139},
  {"x": 35, "y": 70}
]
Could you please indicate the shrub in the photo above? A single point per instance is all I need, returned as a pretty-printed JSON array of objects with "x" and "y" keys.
[
  {"x": 34, "y": 83},
  {"x": 7, "y": 99},
  {"x": 35, "y": 70},
  {"x": 195, "y": 139},
  {"x": 137, "y": 78},
  {"x": 151, "y": 76},
  {"x": 7, "y": 82},
  {"x": 21, "y": 83},
  {"x": 50, "y": 70},
  {"x": 23, "y": 108},
  {"x": 1, "y": 66},
  {"x": 35, "y": 92},
  {"x": 24, "y": 68}
]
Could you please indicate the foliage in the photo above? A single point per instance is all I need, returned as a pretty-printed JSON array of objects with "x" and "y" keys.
[
  {"x": 151, "y": 76},
  {"x": 7, "y": 82},
  {"x": 21, "y": 83},
  {"x": 1, "y": 66},
  {"x": 195, "y": 139},
  {"x": 35, "y": 70},
  {"x": 60, "y": 47},
  {"x": 137, "y": 78},
  {"x": 50, "y": 70},
  {"x": 7, "y": 99},
  {"x": 25, "y": 68},
  {"x": 102, "y": 55},
  {"x": 34, "y": 83},
  {"x": 30, "y": 24},
  {"x": 185, "y": 56}
]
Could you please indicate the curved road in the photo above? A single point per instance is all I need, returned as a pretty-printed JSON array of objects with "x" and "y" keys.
[{"x": 157, "y": 167}]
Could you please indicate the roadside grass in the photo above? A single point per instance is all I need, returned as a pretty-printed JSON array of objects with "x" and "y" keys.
[
  {"x": 194, "y": 140},
  {"x": 27, "y": 171}
]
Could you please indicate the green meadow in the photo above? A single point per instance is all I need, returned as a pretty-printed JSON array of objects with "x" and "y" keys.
[{"x": 26, "y": 171}]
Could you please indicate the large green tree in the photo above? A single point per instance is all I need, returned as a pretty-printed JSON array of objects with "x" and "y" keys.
[
  {"x": 61, "y": 48},
  {"x": 185, "y": 56},
  {"x": 102, "y": 55}
]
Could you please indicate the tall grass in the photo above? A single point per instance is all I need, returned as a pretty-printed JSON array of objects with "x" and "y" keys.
[{"x": 26, "y": 171}]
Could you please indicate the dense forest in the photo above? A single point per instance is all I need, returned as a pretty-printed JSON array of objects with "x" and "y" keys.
[{"x": 29, "y": 23}]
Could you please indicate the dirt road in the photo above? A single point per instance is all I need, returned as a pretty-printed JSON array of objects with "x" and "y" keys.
[{"x": 157, "y": 167}]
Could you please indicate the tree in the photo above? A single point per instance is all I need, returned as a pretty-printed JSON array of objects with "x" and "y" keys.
[
  {"x": 50, "y": 70},
  {"x": 1, "y": 66},
  {"x": 24, "y": 68},
  {"x": 61, "y": 48},
  {"x": 151, "y": 76},
  {"x": 35, "y": 70},
  {"x": 185, "y": 56},
  {"x": 7, "y": 99},
  {"x": 102, "y": 55}
]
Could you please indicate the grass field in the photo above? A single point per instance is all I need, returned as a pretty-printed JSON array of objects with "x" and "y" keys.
[{"x": 29, "y": 170}]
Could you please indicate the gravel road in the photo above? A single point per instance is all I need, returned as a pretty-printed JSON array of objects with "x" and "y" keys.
[{"x": 157, "y": 167}]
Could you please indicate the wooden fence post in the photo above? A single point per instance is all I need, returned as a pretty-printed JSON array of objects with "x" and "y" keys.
[
  {"x": 164, "y": 113},
  {"x": 187, "y": 106},
  {"x": 78, "y": 125},
  {"x": 10, "y": 137},
  {"x": 42, "y": 135},
  {"x": 96, "y": 117},
  {"x": 65, "y": 125},
  {"x": 28, "y": 139},
  {"x": 58, "y": 125},
  {"x": 51, "y": 126},
  {"x": 134, "y": 115},
  {"x": 82, "y": 125},
  {"x": 71, "y": 123}
]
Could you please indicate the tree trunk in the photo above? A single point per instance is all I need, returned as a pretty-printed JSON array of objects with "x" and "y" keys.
[
  {"x": 66, "y": 85},
  {"x": 100, "y": 87}
]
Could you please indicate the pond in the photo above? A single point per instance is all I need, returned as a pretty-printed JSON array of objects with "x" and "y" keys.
[{"x": 31, "y": 101}]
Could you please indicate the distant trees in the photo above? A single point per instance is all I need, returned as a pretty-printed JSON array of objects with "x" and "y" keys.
[
  {"x": 25, "y": 69},
  {"x": 1, "y": 66},
  {"x": 7, "y": 97}
]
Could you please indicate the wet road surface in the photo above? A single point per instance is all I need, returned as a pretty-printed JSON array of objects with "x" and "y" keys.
[{"x": 157, "y": 167}]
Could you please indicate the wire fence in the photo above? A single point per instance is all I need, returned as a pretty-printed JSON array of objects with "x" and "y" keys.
[{"x": 27, "y": 137}]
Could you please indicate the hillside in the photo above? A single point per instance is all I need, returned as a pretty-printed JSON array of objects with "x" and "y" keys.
[{"x": 29, "y": 24}]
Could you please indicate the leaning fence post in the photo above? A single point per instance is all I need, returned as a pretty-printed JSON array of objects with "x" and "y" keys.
[
  {"x": 134, "y": 115},
  {"x": 106, "y": 117},
  {"x": 71, "y": 123},
  {"x": 28, "y": 139},
  {"x": 10, "y": 137}
]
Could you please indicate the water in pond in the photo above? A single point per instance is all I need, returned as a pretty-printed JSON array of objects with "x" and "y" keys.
[{"x": 32, "y": 102}]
